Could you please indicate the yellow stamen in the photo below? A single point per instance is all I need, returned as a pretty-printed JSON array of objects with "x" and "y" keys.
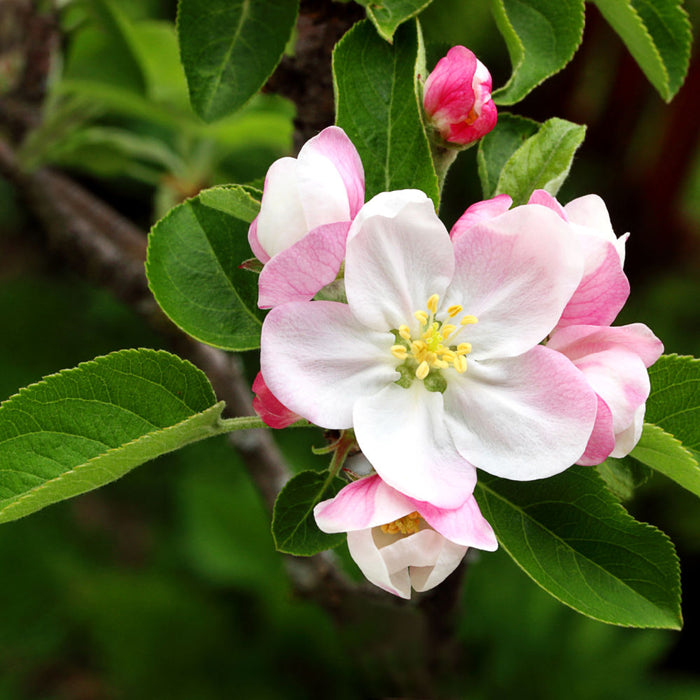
[
  {"x": 453, "y": 310},
  {"x": 460, "y": 364},
  {"x": 405, "y": 332},
  {"x": 422, "y": 317},
  {"x": 432, "y": 303},
  {"x": 406, "y": 526},
  {"x": 423, "y": 370},
  {"x": 464, "y": 348},
  {"x": 466, "y": 320},
  {"x": 399, "y": 351},
  {"x": 447, "y": 330}
]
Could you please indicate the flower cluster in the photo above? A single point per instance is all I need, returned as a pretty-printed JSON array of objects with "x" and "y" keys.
[{"x": 487, "y": 347}]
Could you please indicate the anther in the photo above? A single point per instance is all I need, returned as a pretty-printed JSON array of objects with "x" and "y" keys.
[
  {"x": 423, "y": 370},
  {"x": 453, "y": 310},
  {"x": 405, "y": 332},
  {"x": 464, "y": 348},
  {"x": 399, "y": 352},
  {"x": 460, "y": 363},
  {"x": 466, "y": 320},
  {"x": 422, "y": 317},
  {"x": 432, "y": 303}
]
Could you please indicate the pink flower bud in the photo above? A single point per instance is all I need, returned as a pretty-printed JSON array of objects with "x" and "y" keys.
[{"x": 457, "y": 97}]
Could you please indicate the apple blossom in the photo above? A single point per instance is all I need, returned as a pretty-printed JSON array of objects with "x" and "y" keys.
[
  {"x": 392, "y": 362},
  {"x": 307, "y": 205},
  {"x": 399, "y": 542},
  {"x": 457, "y": 97}
]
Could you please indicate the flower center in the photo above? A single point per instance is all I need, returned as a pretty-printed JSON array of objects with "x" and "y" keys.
[
  {"x": 431, "y": 351},
  {"x": 405, "y": 526}
]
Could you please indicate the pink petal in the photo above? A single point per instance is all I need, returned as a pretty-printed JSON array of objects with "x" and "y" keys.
[
  {"x": 602, "y": 440},
  {"x": 578, "y": 341},
  {"x": 402, "y": 432},
  {"x": 448, "y": 95},
  {"x": 255, "y": 246},
  {"x": 604, "y": 287},
  {"x": 480, "y": 211},
  {"x": 334, "y": 144},
  {"x": 626, "y": 440},
  {"x": 318, "y": 360},
  {"x": 521, "y": 418},
  {"x": 546, "y": 200},
  {"x": 464, "y": 133},
  {"x": 398, "y": 255},
  {"x": 362, "y": 504},
  {"x": 515, "y": 273},
  {"x": 266, "y": 405},
  {"x": 464, "y": 525},
  {"x": 300, "y": 271}
]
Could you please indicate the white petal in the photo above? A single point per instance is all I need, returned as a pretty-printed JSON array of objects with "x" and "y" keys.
[
  {"x": 318, "y": 360},
  {"x": 521, "y": 418},
  {"x": 515, "y": 273},
  {"x": 282, "y": 221},
  {"x": 448, "y": 559},
  {"x": 403, "y": 434},
  {"x": 366, "y": 555},
  {"x": 398, "y": 255}
]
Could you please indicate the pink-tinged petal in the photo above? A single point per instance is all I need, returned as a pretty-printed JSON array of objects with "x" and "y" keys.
[
  {"x": 522, "y": 418},
  {"x": 602, "y": 440},
  {"x": 604, "y": 287},
  {"x": 398, "y": 255},
  {"x": 480, "y": 211},
  {"x": 591, "y": 215},
  {"x": 464, "y": 132},
  {"x": 367, "y": 556},
  {"x": 449, "y": 556},
  {"x": 515, "y": 273},
  {"x": 300, "y": 271},
  {"x": 318, "y": 360},
  {"x": 464, "y": 525},
  {"x": 448, "y": 95},
  {"x": 266, "y": 405},
  {"x": 402, "y": 432},
  {"x": 620, "y": 378},
  {"x": 282, "y": 220},
  {"x": 255, "y": 246},
  {"x": 334, "y": 144},
  {"x": 546, "y": 200},
  {"x": 578, "y": 341},
  {"x": 626, "y": 440},
  {"x": 362, "y": 504}
]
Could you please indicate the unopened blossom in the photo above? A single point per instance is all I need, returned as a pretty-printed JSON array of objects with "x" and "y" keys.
[
  {"x": 613, "y": 359},
  {"x": 457, "y": 97},
  {"x": 399, "y": 542},
  {"x": 266, "y": 405},
  {"x": 307, "y": 205},
  {"x": 435, "y": 360}
]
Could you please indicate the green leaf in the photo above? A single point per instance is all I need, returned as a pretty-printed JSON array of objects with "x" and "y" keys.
[
  {"x": 572, "y": 537},
  {"x": 496, "y": 148},
  {"x": 378, "y": 107},
  {"x": 84, "y": 427},
  {"x": 542, "y": 162},
  {"x": 194, "y": 253},
  {"x": 386, "y": 16},
  {"x": 623, "y": 475},
  {"x": 293, "y": 526},
  {"x": 542, "y": 36},
  {"x": 658, "y": 35},
  {"x": 663, "y": 453},
  {"x": 229, "y": 49},
  {"x": 674, "y": 401}
]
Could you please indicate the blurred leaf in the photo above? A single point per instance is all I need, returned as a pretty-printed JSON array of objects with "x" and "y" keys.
[
  {"x": 657, "y": 34},
  {"x": 386, "y": 16},
  {"x": 666, "y": 455},
  {"x": 293, "y": 526},
  {"x": 378, "y": 106},
  {"x": 573, "y": 539},
  {"x": 622, "y": 476},
  {"x": 194, "y": 254},
  {"x": 542, "y": 36},
  {"x": 229, "y": 48},
  {"x": 84, "y": 427},
  {"x": 496, "y": 148},
  {"x": 542, "y": 162},
  {"x": 674, "y": 401}
]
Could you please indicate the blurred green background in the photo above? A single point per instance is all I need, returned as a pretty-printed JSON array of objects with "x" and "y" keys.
[{"x": 165, "y": 584}]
